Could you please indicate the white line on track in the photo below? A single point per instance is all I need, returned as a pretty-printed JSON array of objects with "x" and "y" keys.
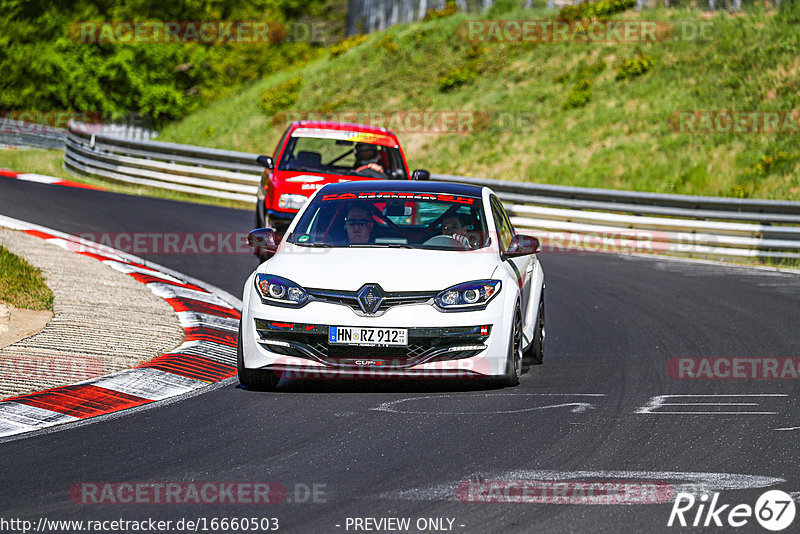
[{"x": 658, "y": 401}]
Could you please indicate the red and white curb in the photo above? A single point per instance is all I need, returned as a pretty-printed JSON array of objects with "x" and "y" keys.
[
  {"x": 43, "y": 179},
  {"x": 207, "y": 314}
]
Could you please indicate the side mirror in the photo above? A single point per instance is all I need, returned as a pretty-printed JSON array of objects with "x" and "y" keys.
[
  {"x": 263, "y": 240},
  {"x": 522, "y": 245},
  {"x": 421, "y": 174},
  {"x": 266, "y": 161}
]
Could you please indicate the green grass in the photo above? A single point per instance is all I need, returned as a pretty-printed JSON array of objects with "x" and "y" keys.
[
  {"x": 22, "y": 285},
  {"x": 49, "y": 163},
  {"x": 619, "y": 139}
]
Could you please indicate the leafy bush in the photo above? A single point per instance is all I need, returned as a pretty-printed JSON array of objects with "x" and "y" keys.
[
  {"x": 592, "y": 10},
  {"x": 499, "y": 7},
  {"x": 45, "y": 67},
  {"x": 579, "y": 95},
  {"x": 586, "y": 70},
  {"x": 346, "y": 44},
  {"x": 456, "y": 77},
  {"x": 773, "y": 162},
  {"x": 635, "y": 66},
  {"x": 280, "y": 97},
  {"x": 448, "y": 10},
  {"x": 790, "y": 12},
  {"x": 388, "y": 44}
]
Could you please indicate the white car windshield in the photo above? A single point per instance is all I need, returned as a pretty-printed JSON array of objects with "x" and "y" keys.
[{"x": 393, "y": 219}]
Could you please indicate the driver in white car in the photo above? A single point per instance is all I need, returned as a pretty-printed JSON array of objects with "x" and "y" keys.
[
  {"x": 456, "y": 225},
  {"x": 358, "y": 225}
]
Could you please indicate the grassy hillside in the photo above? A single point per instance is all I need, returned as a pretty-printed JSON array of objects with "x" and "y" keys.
[{"x": 586, "y": 124}]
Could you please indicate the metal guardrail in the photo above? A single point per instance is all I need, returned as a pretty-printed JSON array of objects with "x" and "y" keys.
[
  {"x": 563, "y": 217},
  {"x": 24, "y": 134},
  {"x": 184, "y": 168}
]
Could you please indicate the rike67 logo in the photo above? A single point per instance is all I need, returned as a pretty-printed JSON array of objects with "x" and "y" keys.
[{"x": 774, "y": 510}]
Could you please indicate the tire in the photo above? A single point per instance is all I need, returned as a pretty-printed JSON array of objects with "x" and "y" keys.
[
  {"x": 514, "y": 359},
  {"x": 259, "y": 219},
  {"x": 260, "y": 222},
  {"x": 254, "y": 378},
  {"x": 535, "y": 353}
]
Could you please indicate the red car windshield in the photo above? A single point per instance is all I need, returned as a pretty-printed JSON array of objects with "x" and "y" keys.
[{"x": 341, "y": 156}]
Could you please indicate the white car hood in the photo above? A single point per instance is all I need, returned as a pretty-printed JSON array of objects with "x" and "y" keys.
[{"x": 394, "y": 269}]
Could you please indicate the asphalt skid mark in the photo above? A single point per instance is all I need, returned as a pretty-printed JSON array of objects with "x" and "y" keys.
[
  {"x": 587, "y": 487},
  {"x": 575, "y": 402}
]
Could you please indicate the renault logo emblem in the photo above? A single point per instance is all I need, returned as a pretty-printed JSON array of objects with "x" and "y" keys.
[{"x": 370, "y": 298}]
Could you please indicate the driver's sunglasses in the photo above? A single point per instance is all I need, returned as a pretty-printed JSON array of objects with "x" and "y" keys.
[{"x": 356, "y": 222}]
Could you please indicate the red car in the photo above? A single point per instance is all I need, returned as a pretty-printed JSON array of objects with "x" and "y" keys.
[{"x": 312, "y": 154}]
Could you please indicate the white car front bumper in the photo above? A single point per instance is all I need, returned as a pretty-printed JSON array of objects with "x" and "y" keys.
[{"x": 440, "y": 345}]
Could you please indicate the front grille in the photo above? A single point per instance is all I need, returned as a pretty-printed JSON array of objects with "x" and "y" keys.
[
  {"x": 335, "y": 352},
  {"x": 425, "y": 344},
  {"x": 350, "y": 298}
]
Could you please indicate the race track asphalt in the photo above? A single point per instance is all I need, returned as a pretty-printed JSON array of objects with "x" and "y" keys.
[{"x": 399, "y": 450}]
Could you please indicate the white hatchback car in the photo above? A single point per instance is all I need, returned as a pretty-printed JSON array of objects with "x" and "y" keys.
[{"x": 394, "y": 279}]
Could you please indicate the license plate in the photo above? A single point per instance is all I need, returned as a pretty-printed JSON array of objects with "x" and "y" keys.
[{"x": 353, "y": 335}]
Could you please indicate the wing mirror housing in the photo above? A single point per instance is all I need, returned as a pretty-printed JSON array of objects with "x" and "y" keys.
[
  {"x": 522, "y": 245},
  {"x": 265, "y": 161},
  {"x": 263, "y": 240},
  {"x": 420, "y": 174}
]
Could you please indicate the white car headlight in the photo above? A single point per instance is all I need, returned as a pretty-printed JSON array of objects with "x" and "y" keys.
[
  {"x": 468, "y": 296},
  {"x": 292, "y": 202},
  {"x": 280, "y": 291}
]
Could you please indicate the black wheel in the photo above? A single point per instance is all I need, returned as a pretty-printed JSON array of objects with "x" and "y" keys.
[
  {"x": 259, "y": 219},
  {"x": 514, "y": 360},
  {"x": 253, "y": 378},
  {"x": 260, "y": 222},
  {"x": 535, "y": 353}
]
